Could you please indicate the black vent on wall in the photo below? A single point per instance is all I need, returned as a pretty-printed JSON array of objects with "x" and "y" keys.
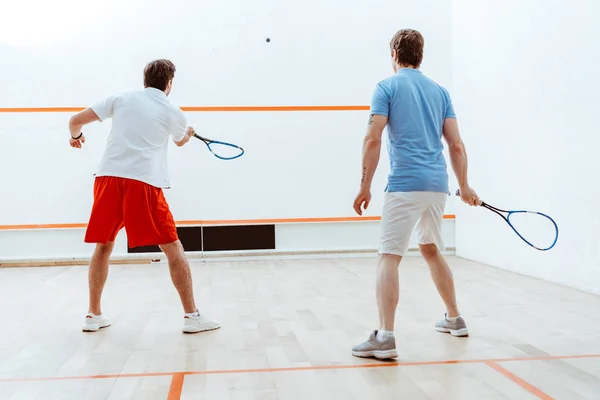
[
  {"x": 221, "y": 238},
  {"x": 190, "y": 236},
  {"x": 248, "y": 237}
]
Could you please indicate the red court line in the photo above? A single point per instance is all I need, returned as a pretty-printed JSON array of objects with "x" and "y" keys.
[
  {"x": 42, "y": 226},
  {"x": 199, "y": 109},
  {"x": 216, "y": 222},
  {"x": 524, "y": 384},
  {"x": 309, "y": 368},
  {"x": 277, "y": 221},
  {"x": 39, "y": 109},
  {"x": 176, "y": 387},
  {"x": 277, "y": 108},
  {"x": 291, "y": 220}
]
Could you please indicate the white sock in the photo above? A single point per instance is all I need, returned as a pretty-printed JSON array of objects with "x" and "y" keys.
[
  {"x": 195, "y": 314},
  {"x": 384, "y": 335},
  {"x": 452, "y": 319}
]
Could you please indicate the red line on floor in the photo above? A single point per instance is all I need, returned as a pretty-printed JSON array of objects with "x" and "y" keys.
[
  {"x": 521, "y": 382},
  {"x": 308, "y": 368},
  {"x": 176, "y": 387}
]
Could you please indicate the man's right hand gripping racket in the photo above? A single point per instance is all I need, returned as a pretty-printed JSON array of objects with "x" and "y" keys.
[{"x": 535, "y": 228}]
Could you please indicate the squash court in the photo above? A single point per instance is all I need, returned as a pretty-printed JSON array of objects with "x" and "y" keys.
[{"x": 182, "y": 207}]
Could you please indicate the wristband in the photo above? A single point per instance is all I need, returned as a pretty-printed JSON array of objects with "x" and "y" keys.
[{"x": 75, "y": 138}]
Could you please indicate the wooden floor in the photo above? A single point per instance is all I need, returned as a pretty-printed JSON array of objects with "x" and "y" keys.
[{"x": 288, "y": 327}]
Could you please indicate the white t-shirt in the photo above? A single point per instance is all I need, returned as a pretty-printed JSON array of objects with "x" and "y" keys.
[{"x": 137, "y": 144}]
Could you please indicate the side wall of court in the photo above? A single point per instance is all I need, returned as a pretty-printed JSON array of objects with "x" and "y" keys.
[
  {"x": 294, "y": 187},
  {"x": 527, "y": 75}
]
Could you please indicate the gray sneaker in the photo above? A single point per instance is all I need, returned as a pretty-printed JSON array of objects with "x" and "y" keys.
[
  {"x": 455, "y": 328},
  {"x": 374, "y": 348}
]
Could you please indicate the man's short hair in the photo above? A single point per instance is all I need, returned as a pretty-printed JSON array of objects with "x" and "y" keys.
[
  {"x": 408, "y": 44},
  {"x": 158, "y": 73}
]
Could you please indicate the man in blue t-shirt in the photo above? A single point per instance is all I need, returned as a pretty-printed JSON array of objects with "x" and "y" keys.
[{"x": 418, "y": 113}]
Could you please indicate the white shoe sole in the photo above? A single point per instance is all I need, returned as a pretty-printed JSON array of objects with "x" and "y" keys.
[
  {"x": 379, "y": 354},
  {"x": 454, "y": 332},
  {"x": 92, "y": 328},
  {"x": 200, "y": 329}
]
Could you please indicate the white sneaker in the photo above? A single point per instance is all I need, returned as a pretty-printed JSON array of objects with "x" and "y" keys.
[
  {"x": 94, "y": 323},
  {"x": 195, "y": 324}
]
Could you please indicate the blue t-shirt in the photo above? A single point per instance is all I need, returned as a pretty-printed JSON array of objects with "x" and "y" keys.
[{"x": 416, "y": 107}]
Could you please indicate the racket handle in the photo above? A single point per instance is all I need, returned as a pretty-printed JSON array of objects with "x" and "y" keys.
[{"x": 200, "y": 138}]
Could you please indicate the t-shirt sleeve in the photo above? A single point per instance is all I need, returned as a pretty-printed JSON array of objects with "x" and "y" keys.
[
  {"x": 449, "y": 107},
  {"x": 179, "y": 126},
  {"x": 105, "y": 108},
  {"x": 380, "y": 102}
]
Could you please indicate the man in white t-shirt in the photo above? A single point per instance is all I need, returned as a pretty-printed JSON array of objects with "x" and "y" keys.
[{"x": 128, "y": 188}]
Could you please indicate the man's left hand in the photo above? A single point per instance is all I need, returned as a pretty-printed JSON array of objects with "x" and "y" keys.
[
  {"x": 362, "y": 199},
  {"x": 77, "y": 143}
]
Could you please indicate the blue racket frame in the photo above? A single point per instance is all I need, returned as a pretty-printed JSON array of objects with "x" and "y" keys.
[
  {"x": 208, "y": 142},
  {"x": 499, "y": 211}
]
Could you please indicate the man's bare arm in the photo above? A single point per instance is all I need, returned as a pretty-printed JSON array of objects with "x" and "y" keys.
[
  {"x": 458, "y": 158},
  {"x": 372, "y": 149},
  {"x": 77, "y": 121},
  {"x": 188, "y": 134},
  {"x": 370, "y": 159},
  {"x": 458, "y": 153}
]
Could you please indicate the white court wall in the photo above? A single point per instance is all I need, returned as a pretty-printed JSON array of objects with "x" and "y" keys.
[
  {"x": 297, "y": 164},
  {"x": 527, "y": 78}
]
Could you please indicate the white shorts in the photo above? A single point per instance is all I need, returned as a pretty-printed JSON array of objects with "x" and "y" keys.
[{"x": 402, "y": 211}]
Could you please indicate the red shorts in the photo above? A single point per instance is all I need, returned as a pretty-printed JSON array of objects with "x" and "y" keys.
[{"x": 141, "y": 208}]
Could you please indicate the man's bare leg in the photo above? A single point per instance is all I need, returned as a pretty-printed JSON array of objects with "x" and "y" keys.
[
  {"x": 381, "y": 343},
  {"x": 442, "y": 276},
  {"x": 387, "y": 290},
  {"x": 453, "y": 323},
  {"x": 181, "y": 275},
  {"x": 97, "y": 274}
]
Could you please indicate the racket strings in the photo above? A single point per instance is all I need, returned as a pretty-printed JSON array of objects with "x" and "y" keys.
[
  {"x": 224, "y": 150},
  {"x": 537, "y": 229}
]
